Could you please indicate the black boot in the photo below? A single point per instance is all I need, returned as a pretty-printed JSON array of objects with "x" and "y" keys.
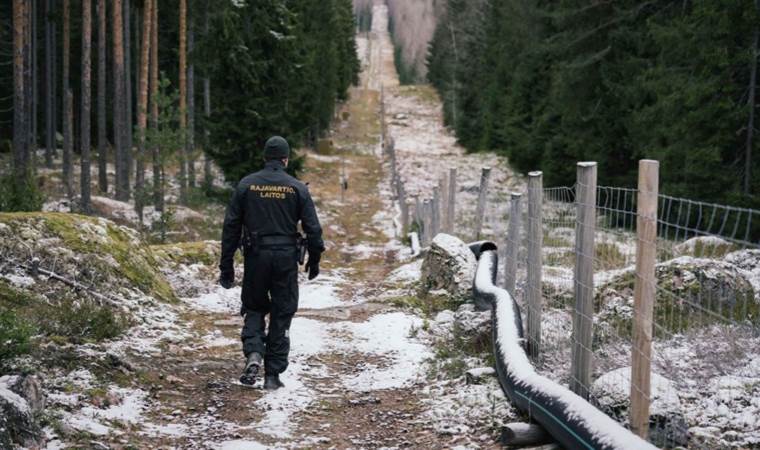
[
  {"x": 252, "y": 369},
  {"x": 272, "y": 382}
]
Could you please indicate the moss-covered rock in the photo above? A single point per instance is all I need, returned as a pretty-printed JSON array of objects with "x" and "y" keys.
[
  {"x": 92, "y": 251},
  {"x": 202, "y": 252},
  {"x": 449, "y": 265},
  {"x": 691, "y": 293},
  {"x": 704, "y": 247}
]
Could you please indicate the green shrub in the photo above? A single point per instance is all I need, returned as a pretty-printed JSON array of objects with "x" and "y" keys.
[
  {"x": 79, "y": 321},
  {"x": 14, "y": 336},
  {"x": 19, "y": 195}
]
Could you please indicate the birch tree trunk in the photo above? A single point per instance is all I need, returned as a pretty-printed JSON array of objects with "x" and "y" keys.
[{"x": 86, "y": 101}]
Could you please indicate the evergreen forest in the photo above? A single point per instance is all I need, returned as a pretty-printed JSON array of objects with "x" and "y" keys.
[{"x": 551, "y": 83}]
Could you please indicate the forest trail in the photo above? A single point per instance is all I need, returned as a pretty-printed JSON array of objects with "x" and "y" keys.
[
  {"x": 370, "y": 365},
  {"x": 355, "y": 371}
]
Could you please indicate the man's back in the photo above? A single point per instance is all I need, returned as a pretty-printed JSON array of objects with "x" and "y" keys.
[
  {"x": 269, "y": 203},
  {"x": 272, "y": 201}
]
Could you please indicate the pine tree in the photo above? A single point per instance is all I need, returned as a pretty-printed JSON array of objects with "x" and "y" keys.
[
  {"x": 102, "y": 130},
  {"x": 86, "y": 100},
  {"x": 183, "y": 159},
  {"x": 142, "y": 107},
  {"x": 20, "y": 171},
  {"x": 49, "y": 85},
  {"x": 158, "y": 179},
  {"x": 66, "y": 91},
  {"x": 119, "y": 104}
]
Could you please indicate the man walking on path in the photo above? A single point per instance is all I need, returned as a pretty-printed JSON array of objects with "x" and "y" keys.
[{"x": 264, "y": 211}]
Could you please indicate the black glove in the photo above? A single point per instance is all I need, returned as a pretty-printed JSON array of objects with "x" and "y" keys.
[
  {"x": 227, "y": 278},
  {"x": 312, "y": 265}
]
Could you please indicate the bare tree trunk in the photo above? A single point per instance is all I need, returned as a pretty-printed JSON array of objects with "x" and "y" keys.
[
  {"x": 32, "y": 91},
  {"x": 142, "y": 105},
  {"x": 183, "y": 100},
  {"x": 190, "y": 110},
  {"x": 454, "y": 75},
  {"x": 27, "y": 82},
  {"x": 19, "y": 114},
  {"x": 56, "y": 104},
  {"x": 137, "y": 22},
  {"x": 86, "y": 100},
  {"x": 119, "y": 107},
  {"x": 127, "y": 14},
  {"x": 207, "y": 177},
  {"x": 66, "y": 89},
  {"x": 158, "y": 192},
  {"x": 49, "y": 85},
  {"x": 102, "y": 131},
  {"x": 751, "y": 102}
]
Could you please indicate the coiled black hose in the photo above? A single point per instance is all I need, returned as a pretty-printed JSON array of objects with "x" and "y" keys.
[{"x": 571, "y": 420}]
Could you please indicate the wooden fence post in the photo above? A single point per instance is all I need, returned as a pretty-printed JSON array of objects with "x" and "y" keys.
[
  {"x": 404, "y": 217},
  {"x": 513, "y": 243},
  {"x": 535, "y": 242},
  {"x": 382, "y": 120},
  {"x": 435, "y": 207},
  {"x": 644, "y": 295},
  {"x": 418, "y": 216},
  {"x": 402, "y": 209},
  {"x": 443, "y": 203},
  {"x": 451, "y": 198},
  {"x": 485, "y": 174},
  {"x": 583, "y": 315},
  {"x": 427, "y": 222},
  {"x": 392, "y": 158}
]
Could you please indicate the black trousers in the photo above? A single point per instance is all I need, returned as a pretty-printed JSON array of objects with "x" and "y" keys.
[{"x": 270, "y": 287}]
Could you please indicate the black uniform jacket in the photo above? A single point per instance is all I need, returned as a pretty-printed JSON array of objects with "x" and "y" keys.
[{"x": 271, "y": 203}]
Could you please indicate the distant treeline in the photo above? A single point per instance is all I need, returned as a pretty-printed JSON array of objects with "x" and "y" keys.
[
  {"x": 551, "y": 83},
  {"x": 143, "y": 82},
  {"x": 279, "y": 67}
]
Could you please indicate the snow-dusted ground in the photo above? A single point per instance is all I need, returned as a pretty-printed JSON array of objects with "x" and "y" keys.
[{"x": 712, "y": 371}]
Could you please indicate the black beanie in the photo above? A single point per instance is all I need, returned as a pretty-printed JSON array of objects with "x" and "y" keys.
[{"x": 276, "y": 148}]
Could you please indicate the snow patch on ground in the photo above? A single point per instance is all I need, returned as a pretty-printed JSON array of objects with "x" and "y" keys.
[
  {"x": 217, "y": 339},
  {"x": 218, "y": 300},
  {"x": 321, "y": 292},
  {"x": 387, "y": 335},
  {"x": 241, "y": 445},
  {"x": 408, "y": 273},
  {"x": 14, "y": 399},
  {"x": 307, "y": 337},
  {"x": 129, "y": 410}
]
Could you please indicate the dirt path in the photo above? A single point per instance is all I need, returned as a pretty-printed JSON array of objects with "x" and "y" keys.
[
  {"x": 358, "y": 368},
  {"x": 355, "y": 372}
]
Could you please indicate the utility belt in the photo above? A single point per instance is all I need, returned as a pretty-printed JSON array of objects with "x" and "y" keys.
[{"x": 252, "y": 242}]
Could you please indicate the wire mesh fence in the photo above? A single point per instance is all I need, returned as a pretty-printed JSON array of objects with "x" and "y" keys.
[{"x": 705, "y": 326}]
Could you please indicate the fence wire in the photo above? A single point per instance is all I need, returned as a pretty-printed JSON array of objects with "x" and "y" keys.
[{"x": 705, "y": 357}]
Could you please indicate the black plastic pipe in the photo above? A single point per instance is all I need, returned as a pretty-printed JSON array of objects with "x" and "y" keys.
[{"x": 571, "y": 420}]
